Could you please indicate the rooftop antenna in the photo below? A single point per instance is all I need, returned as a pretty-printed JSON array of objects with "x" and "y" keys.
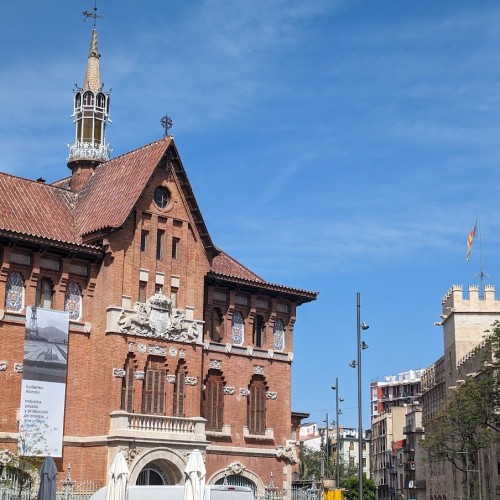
[
  {"x": 166, "y": 123},
  {"x": 94, "y": 15}
]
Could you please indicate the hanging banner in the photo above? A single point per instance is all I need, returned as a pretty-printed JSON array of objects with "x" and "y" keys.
[{"x": 43, "y": 390}]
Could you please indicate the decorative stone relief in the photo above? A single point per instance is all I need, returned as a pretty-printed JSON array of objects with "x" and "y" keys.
[
  {"x": 130, "y": 453},
  {"x": 173, "y": 352},
  {"x": 236, "y": 468},
  {"x": 131, "y": 346},
  {"x": 118, "y": 372},
  {"x": 157, "y": 350},
  {"x": 215, "y": 364},
  {"x": 250, "y": 350},
  {"x": 171, "y": 379},
  {"x": 6, "y": 457},
  {"x": 139, "y": 375},
  {"x": 271, "y": 395},
  {"x": 288, "y": 451},
  {"x": 228, "y": 347},
  {"x": 270, "y": 354},
  {"x": 229, "y": 390},
  {"x": 18, "y": 367},
  {"x": 258, "y": 370},
  {"x": 191, "y": 380},
  {"x": 244, "y": 392},
  {"x": 158, "y": 319},
  {"x": 3, "y": 366},
  {"x": 182, "y": 353},
  {"x": 142, "y": 348}
]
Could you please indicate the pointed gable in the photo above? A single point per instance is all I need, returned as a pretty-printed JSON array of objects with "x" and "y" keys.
[{"x": 112, "y": 191}]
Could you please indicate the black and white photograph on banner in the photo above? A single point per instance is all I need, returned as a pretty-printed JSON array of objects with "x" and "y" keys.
[{"x": 45, "y": 345}]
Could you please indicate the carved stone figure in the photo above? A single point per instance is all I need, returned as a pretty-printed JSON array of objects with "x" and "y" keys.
[{"x": 288, "y": 451}]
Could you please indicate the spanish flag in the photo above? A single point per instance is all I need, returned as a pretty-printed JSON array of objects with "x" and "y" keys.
[{"x": 470, "y": 239}]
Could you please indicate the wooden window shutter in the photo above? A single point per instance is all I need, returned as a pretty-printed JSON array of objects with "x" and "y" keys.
[{"x": 179, "y": 391}]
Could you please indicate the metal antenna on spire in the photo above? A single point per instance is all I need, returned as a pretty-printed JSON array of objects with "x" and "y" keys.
[
  {"x": 481, "y": 274},
  {"x": 166, "y": 123},
  {"x": 94, "y": 15}
]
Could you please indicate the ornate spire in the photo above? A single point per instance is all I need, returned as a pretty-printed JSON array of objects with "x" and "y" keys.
[
  {"x": 91, "y": 114},
  {"x": 92, "y": 80}
]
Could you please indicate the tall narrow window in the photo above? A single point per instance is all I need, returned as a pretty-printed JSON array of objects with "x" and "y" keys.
[
  {"x": 73, "y": 301},
  {"x": 213, "y": 401},
  {"x": 153, "y": 395},
  {"x": 173, "y": 296},
  {"x": 142, "y": 291},
  {"x": 14, "y": 293},
  {"x": 160, "y": 244},
  {"x": 128, "y": 386},
  {"x": 237, "y": 329},
  {"x": 144, "y": 241},
  {"x": 256, "y": 409},
  {"x": 279, "y": 335},
  {"x": 216, "y": 333},
  {"x": 179, "y": 393},
  {"x": 43, "y": 296},
  {"x": 176, "y": 248},
  {"x": 258, "y": 331}
]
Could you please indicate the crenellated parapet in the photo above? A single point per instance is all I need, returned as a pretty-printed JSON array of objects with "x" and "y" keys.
[{"x": 457, "y": 300}]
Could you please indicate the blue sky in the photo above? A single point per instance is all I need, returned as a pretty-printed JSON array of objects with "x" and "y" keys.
[{"x": 336, "y": 146}]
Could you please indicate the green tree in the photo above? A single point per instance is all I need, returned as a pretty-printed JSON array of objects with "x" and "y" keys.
[
  {"x": 468, "y": 420},
  {"x": 310, "y": 463},
  {"x": 351, "y": 485}
]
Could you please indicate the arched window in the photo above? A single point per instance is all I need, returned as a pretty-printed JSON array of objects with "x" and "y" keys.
[
  {"x": 78, "y": 100},
  {"x": 179, "y": 392},
  {"x": 258, "y": 331},
  {"x": 73, "y": 301},
  {"x": 44, "y": 291},
  {"x": 278, "y": 335},
  {"x": 237, "y": 328},
  {"x": 153, "y": 395},
  {"x": 101, "y": 101},
  {"x": 213, "y": 401},
  {"x": 256, "y": 406},
  {"x": 14, "y": 293},
  {"x": 88, "y": 99},
  {"x": 128, "y": 386},
  {"x": 217, "y": 325}
]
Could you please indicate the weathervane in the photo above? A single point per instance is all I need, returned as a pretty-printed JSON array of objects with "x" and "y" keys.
[
  {"x": 166, "y": 123},
  {"x": 94, "y": 15}
]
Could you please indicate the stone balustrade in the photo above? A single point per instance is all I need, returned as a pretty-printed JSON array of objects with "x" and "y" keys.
[{"x": 156, "y": 427}]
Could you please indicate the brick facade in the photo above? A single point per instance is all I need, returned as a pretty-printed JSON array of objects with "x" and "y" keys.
[{"x": 113, "y": 239}]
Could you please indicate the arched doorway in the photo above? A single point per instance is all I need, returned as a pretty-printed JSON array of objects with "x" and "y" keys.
[
  {"x": 152, "y": 474},
  {"x": 158, "y": 466}
]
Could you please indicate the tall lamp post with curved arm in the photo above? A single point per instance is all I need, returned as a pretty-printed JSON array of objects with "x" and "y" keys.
[{"x": 361, "y": 345}]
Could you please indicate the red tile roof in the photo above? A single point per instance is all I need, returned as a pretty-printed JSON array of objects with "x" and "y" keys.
[
  {"x": 36, "y": 209},
  {"x": 52, "y": 212}
]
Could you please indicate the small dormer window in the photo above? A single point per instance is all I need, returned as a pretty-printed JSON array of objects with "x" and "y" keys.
[{"x": 161, "y": 197}]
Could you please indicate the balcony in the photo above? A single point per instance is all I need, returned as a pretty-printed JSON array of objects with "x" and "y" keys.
[{"x": 135, "y": 426}]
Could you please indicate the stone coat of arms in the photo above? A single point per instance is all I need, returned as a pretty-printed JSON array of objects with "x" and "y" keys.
[{"x": 156, "y": 318}]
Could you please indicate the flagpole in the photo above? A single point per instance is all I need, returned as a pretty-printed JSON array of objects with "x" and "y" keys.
[{"x": 481, "y": 273}]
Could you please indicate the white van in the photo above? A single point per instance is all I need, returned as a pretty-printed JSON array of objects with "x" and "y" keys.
[{"x": 167, "y": 492}]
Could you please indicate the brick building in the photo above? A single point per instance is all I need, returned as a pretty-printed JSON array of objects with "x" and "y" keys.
[{"x": 173, "y": 345}]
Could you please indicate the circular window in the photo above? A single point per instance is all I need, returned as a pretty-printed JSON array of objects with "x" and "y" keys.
[{"x": 161, "y": 197}]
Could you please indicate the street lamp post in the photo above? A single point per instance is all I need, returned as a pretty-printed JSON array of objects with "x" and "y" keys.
[
  {"x": 337, "y": 426},
  {"x": 361, "y": 345}
]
